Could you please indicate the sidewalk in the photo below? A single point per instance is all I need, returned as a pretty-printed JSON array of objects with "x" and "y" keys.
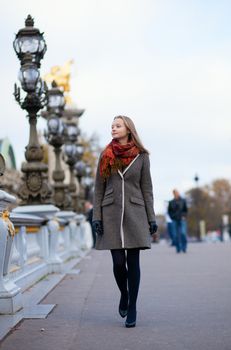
[{"x": 184, "y": 304}]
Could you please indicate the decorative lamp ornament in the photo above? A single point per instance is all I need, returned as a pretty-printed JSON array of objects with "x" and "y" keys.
[{"x": 29, "y": 39}]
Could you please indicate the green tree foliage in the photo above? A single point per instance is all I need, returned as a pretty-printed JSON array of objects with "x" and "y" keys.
[
  {"x": 92, "y": 150},
  {"x": 208, "y": 203}
]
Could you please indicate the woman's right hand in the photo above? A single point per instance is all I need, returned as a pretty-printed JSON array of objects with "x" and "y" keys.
[
  {"x": 97, "y": 227},
  {"x": 153, "y": 227}
]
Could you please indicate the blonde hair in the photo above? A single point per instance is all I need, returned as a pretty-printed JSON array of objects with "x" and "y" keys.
[{"x": 133, "y": 135}]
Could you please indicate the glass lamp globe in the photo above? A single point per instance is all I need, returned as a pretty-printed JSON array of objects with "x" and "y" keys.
[
  {"x": 72, "y": 132},
  {"x": 29, "y": 39},
  {"x": 87, "y": 181},
  {"x": 53, "y": 125},
  {"x": 56, "y": 100},
  {"x": 88, "y": 170},
  {"x": 29, "y": 76},
  {"x": 70, "y": 150},
  {"x": 80, "y": 168},
  {"x": 80, "y": 149}
]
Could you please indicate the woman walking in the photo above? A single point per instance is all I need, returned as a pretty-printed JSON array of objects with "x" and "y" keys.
[{"x": 123, "y": 214}]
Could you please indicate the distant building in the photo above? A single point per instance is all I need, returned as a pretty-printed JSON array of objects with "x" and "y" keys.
[{"x": 7, "y": 151}]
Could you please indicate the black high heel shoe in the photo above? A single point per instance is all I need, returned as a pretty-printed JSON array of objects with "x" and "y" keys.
[
  {"x": 131, "y": 319},
  {"x": 123, "y": 306},
  {"x": 123, "y": 313}
]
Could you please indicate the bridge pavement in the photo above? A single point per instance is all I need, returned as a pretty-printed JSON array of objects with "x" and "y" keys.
[{"x": 184, "y": 304}]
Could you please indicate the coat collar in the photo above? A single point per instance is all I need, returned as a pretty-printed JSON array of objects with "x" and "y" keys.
[{"x": 126, "y": 169}]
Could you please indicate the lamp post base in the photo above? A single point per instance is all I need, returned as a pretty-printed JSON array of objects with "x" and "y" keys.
[{"x": 35, "y": 188}]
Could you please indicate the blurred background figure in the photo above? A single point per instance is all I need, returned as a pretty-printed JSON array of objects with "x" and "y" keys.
[
  {"x": 177, "y": 210},
  {"x": 169, "y": 226},
  {"x": 88, "y": 214},
  {"x": 170, "y": 229}
]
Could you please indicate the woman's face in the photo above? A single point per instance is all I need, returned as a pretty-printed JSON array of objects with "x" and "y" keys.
[{"x": 119, "y": 130}]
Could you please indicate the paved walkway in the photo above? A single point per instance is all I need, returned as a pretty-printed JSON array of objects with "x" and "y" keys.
[{"x": 184, "y": 304}]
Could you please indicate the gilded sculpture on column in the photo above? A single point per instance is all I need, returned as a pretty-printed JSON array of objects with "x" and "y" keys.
[{"x": 61, "y": 75}]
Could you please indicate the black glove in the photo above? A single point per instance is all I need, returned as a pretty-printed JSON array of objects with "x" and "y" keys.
[
  {"x": 97, "y": 227},
  {"x": 153, "y": 227}
]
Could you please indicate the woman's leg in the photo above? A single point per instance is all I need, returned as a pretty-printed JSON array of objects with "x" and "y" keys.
[
  {"x": 120, "y": 273},
  {"x": 133, "y": 262}
]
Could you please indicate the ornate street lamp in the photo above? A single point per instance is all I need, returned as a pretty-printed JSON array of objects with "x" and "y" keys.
[
  {"x": 70, "y": 152},
  {"x": 55, "y": 136},
  {"x": 197, "y": 199},
  {"x": 80, "y": 172},
  {"x": 73, "y": 153},
  {"x": 88, "y": 181},
  {"x": 29, "y": 39},
  {"x": 35, "y": 189},
  {"x": 84, "y": 175}
]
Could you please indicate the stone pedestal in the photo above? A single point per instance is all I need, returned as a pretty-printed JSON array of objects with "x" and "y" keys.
[
  {"x": 49, "y": 233},
  {"x": 54, "y": 259},
  {"x": 73, "y": 242},
  {"x": 10, "y": 293},
  {"x": 83, "y": 232}
]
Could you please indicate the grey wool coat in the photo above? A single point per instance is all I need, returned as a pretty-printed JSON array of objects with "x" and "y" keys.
[{"x": 124, "y": 203}]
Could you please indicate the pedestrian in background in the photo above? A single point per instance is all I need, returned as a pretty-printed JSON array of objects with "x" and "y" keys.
[
  {"x": 170, "y": 229},
  {"x": 123, "y": 214},
  {"x": 89, "y": 215},
  {"x": 169, "y": 225},
  {"x": 177, "y": 210}
]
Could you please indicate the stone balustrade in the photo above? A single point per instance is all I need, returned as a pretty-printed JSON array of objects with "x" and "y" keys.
[{"x": 36, "y": 241}]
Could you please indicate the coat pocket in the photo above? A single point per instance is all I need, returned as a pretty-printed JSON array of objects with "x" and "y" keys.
[
  {"x": 108, "y": 191},
  {"x": 136, "y": 200},
  {"x": 107, "y": 201}
]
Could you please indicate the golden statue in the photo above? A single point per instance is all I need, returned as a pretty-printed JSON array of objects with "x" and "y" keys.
[{"x": 61, "y": 75}]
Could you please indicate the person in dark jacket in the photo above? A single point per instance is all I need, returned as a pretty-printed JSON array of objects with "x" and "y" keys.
[
  {"x": 123, "y": 213},
  {"x": 177, "y": 210}
]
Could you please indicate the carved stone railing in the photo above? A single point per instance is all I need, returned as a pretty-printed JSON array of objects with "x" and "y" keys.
[{"x": 38, "y": 240}]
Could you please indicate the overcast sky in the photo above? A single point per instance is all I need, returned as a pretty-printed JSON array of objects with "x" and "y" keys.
[{"x": 164, "y": 63}]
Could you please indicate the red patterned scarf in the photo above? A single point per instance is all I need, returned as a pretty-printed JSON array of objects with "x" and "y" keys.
[{"x": 116, "y": 156}]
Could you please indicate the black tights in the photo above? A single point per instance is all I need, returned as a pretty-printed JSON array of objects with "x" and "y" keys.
[{"x": 127, "y": 276}]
